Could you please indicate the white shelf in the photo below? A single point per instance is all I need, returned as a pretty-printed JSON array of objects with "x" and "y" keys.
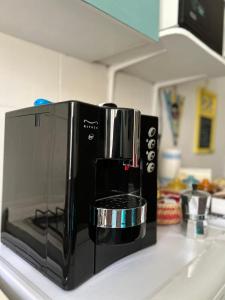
[
  {"x": 72, "y": 27},
  {"x": 185, "y": 56}
]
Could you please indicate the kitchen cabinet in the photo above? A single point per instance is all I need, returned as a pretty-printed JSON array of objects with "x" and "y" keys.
[
  {"x": 79, "y": 29},
  {"x": 141, "y": 15}
]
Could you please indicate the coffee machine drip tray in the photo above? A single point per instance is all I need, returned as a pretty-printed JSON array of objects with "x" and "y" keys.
[
  {"x": 120, "y": 211},
  {"x": 119, "y": 219}
]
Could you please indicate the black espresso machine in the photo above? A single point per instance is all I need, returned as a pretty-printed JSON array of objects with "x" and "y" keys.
[{"x": 79, "y": 187}]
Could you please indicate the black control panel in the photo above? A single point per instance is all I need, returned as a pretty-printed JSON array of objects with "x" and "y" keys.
[{"x": 149, "y": 136}]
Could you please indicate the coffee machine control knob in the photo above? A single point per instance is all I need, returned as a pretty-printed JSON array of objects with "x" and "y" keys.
[
  {"x": 150, "y": 167},
  {"x": 151, "y": 132},
  {"x": 151, "y": 144},
  {"x": 151, "y": 155}
]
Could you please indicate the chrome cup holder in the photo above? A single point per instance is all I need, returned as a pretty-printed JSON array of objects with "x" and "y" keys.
[{"x": 119, "y": 219}]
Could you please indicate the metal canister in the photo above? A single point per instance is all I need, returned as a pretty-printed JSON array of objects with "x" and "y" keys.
[{"x": 195, "y": 207}]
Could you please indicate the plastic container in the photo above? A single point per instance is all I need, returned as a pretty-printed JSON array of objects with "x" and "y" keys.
[{"x": 169, "y": 165}]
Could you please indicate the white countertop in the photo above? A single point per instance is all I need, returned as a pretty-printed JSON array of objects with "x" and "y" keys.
[{"x": 136, "y": 277}]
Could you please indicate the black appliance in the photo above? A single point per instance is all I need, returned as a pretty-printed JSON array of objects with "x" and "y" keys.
[
  {"x": 79, "y": 189},
  {"x": 205, "y": 19}
]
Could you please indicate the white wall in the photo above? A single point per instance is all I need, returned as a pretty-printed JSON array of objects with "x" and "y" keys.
[
  {"x": 28, "y": 71},
  {"x": 216, "y": 161},
  {"x": 133, "y": 92}
]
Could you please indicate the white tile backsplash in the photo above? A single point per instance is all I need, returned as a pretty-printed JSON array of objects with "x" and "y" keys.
[
  {"x": 83, "y": 81},
  {"x": 133, "y": 92},
  {"x": 27, "y": 72}
]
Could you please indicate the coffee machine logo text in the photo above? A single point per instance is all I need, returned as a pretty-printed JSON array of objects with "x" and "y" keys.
[{"x": 90, "y": 124}]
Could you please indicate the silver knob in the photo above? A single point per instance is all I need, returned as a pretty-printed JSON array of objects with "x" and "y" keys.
[
  {"x": 150, "y": 167},
  {"x": 151, "y": 132},
  {"x": 151, "y": 144},
  {"x": 151, "y": 155}
]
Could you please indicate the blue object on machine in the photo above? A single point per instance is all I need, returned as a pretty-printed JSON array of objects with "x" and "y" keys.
[{"x": 40, "y": 101}]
